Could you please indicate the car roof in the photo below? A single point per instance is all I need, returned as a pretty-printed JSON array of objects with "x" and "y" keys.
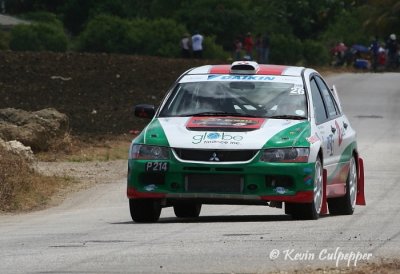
[{"x": 248, "y": 67}]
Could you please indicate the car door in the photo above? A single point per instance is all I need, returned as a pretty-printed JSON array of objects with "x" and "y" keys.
[{"x": 328, "y": 121}]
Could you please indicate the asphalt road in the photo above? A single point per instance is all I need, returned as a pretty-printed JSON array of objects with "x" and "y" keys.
[{"x": 92, "y": 231}]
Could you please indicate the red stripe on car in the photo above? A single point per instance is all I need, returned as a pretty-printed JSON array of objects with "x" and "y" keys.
[
  {"x": 271, "y": 69},
  {"x": 299, "y": 197},
  {"x": 220, "y": 69},
  {"x": 133, "y": 193}
]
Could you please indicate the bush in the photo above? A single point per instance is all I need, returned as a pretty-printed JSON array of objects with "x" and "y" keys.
[
  {"x": 285, "y": 50},
  {"x": 38, "y": 37},
  {"x": 162, "y": 38},
  {"x": 21, "y": 187},
  {"x": 315, "y": 53},
  {"x": 43, "y": 17},
  {"x": 105, "y": 33},
  {"x": 213, "y": 50},
  {"x": 4, "y": 40},
  {"x": 348, "y": 29}
]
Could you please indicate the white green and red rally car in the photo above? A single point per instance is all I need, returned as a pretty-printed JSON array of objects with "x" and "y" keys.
[{"x": 246, "y": 133}]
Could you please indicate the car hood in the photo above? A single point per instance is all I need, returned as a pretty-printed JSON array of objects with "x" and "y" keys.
[{"x": 225, "y": 132}]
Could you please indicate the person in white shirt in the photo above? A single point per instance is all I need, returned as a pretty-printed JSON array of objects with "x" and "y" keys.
[
  {"x": 197, "y": 45},
  {"x": 185, "y": 45}
]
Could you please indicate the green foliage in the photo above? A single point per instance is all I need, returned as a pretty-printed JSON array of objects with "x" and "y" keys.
[
  {"x": 212, "y": 50},
  {"x": 225, "y": 19},
  {"x": 310, "y": 18},
  {"x": 75, "y": 14},
  {"x": 106, "y": 33},
  {"x": 348, "y": 29},
  {"x": 315, "y": 53},
  {"x": 161, "y": 37},
  {"x": 285, "y": 49},
  {"x": 4, "y": 40},
  {"x": 158, "y": 37},
  {"x": 270, "y": 17},
  {"x": 144, "y": 29},
  {"x": 38, "y": 37},
  {"x": 43, "y": 17},
  {"x": 381, "y": 17}
]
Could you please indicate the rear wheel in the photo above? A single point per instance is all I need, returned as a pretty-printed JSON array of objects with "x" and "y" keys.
[
  {"x": 145, "y": 210},
  {"x": 309, "y": 211},
  {"x": 345, "y": 205},
  {"x": 187, "y": 210}
]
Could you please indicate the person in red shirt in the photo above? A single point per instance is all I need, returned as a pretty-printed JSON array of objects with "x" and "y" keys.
[{"x": 248, "y": 45}]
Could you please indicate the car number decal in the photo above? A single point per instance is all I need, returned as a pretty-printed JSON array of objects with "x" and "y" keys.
[
  {"x": 297, "y": 90},
  {"x": 156, "y": 166}
]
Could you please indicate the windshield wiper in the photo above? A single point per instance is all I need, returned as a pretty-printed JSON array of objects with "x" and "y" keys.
[
  {"x": 291, "y": 117},
  {"x": 220, "y": 113}
]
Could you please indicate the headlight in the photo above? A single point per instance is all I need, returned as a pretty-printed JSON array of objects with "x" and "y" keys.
[
  {"x": 289, "y": 155},
  {"x": 146, "y": 152}
]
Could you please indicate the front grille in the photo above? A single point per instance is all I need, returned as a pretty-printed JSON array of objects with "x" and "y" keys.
[
  {"x": 279, "y": 181},
  {"x": 207, "y": 155},
  {"x": 214, "y": 183},
  {"x": 152, "y": 178}
]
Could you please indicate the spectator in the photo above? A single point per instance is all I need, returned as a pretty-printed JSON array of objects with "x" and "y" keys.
[
  {"x": 185, "y": 45},
  {"x": 237, "y": 47},
  {"x": 392, "y": 48},
  {"x": 258, "y": 44},
  {"x": 382, "y": 55},
  {"x": 197, "y": 45},
  {"x": 248, "y": 46},
  {"x": 374, "y": 49},
  {"x": 265, "y": 49},
  {"x": 339, "y": 52}
]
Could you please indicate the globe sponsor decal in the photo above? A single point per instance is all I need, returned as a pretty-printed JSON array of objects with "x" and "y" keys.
[
  {"x": 217, "y": 138},
  {"x": 213, "y": 135}
]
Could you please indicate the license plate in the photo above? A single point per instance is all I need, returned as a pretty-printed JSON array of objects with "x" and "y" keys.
[{"x": 156, "y": 166}]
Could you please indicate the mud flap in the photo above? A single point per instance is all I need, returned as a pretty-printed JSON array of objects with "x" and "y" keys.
[
  {"x": 360, "y": 199},
  {"x": 324, "y": 207}
]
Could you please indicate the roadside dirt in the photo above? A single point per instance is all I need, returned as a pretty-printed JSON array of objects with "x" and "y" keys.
[
  {"x": 88, "y": 173},
  {"x": 83, "y": 174}
]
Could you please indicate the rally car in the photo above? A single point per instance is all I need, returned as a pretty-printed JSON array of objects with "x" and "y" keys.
[{"x": 245, "y": 133}]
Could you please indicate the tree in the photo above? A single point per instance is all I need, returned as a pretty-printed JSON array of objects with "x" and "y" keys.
[
  {"x": 381, "y": 17},
  {"x": 105, "y": 33},
  {"x": 224, "y": 19},
  {"x": 38, "y": 37}
]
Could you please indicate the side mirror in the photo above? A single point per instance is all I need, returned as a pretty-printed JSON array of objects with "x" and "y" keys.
[{"x": 144, "y": 111}]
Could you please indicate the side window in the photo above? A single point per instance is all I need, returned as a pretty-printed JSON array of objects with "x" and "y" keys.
[
  {"x": 330, "y": 103},
  {"x": 319, "y": 107}
]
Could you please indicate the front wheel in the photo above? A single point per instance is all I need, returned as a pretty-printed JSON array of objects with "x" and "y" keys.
[
  {"x": 310, "y": 211},
  {"x": 345, "y": 205},
  {"x": 187, "y": 210},
  {"x": 145, "y": 210}
]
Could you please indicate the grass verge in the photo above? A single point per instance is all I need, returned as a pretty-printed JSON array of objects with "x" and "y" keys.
[
  {"x": 87, "y": 148},
  {"x": 22, "y": 188}
]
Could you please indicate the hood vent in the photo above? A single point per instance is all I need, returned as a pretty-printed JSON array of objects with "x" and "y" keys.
[{"x": 244, "y": 67}]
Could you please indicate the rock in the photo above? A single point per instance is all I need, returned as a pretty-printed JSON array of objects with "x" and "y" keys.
[
  {"x": 38, "y": 129},
  {"x": 18, "y": 148}
]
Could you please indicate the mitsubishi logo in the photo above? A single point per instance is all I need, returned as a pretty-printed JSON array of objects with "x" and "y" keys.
[{"x": 214, "y": 157}]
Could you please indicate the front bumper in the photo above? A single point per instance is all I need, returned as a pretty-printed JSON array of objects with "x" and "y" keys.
[{"x": 223, "y": 183}]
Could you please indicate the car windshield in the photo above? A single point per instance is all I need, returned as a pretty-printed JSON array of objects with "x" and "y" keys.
[{"x": 281, "y": 100}]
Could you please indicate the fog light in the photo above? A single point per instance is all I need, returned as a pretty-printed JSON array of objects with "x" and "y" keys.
[
  {"x": 174, "y": 185},
  {"x": 252, "y": 187}
]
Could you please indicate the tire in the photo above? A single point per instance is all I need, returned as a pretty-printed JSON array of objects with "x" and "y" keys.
[
  {"x": 345, "y": 205},
  {"x": 309, "y": 211},
  {"x": 187, "y": 210},
  {"x": 145, "y": 210}
]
